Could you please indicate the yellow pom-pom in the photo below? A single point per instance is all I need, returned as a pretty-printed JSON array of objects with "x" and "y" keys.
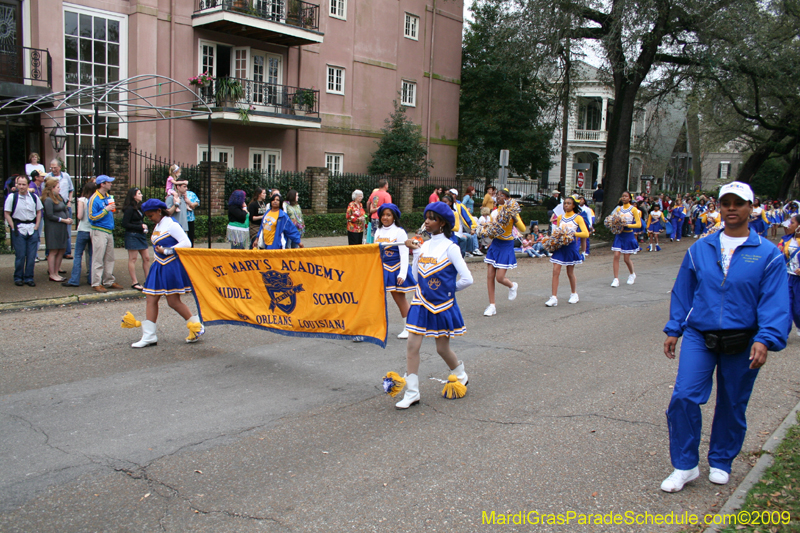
[
  {"x": 195, "y": 329},
  {"x": 393, "y": 383},
  {"x": 128, "y": 321},
  {"x": 454, "y": 389}
]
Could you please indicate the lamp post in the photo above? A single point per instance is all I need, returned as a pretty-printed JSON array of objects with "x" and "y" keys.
[{"x": 58, "y": 137}]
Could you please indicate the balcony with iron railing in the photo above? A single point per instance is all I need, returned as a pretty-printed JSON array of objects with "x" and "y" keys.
[
  {"x": 237, "y": 100},
  {"x": 284, "y": 22},
  {"x": 589, "y": 135},
  {"x": 25, "y": 71}
]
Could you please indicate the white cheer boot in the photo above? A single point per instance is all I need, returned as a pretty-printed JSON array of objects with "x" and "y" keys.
[
  {"x": 403, "y": 334},
  {"x": 148, "y": 335},
  {"x": 195, "y": 328},
  {"x": 411, "y": 396},
  {"x": 460, "y": 373}
]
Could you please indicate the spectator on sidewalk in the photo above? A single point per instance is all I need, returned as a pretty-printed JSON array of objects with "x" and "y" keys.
[
  {"x": 488, "y": 198},
  {"x": 192, "y": 203},
  {"x": 256, "y": 209},
  {"x": 136, "y": 238},
  {"x": 83, "y": 241},
  {"x": 178, "y": 206},
  {"x": 33, "y": 164},
  {"x": 23, "y": 212},
  {"x": 292, "y": 208},
  {"x": 36, "y": 186},
  {"x": 597, "y": 198},
  {"x": 58, "y": 227},
  {"x": 101, "y": 218},
  {"x": 436, "y": 195},
  {"x": 238, "y": 230},
  {"x": 379, "y": 197},
  {"x": 356, "y": 219},
  {"x": 67, "y": 190}
]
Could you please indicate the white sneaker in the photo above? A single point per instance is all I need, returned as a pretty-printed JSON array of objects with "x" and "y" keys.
[
  {"x": 403, "y": 334},
  {"x": 678, "y": 478},
  {"x": 552, "y": 302},
  {"x": 573, "y": 298},
  {"x": 718, "y": 476},
  {"x": 477, "y": 252},
  {"x": 631, "y": 278},
  {"x": 467, "y": 254},
  {"x": 490, "y": 311},
  {"x": 615, "y": 283},
  {"x": 512, "y": 292}
]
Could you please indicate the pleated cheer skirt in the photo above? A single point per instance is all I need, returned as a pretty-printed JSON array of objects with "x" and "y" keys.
[
  {"x": 447, "y": 323},
  {"x": 390, "y": 281},
  {"x": 568, "y": 255},
  {"x": 501, "y": 254},
  {"x": 625, "y": 243},
  {"x": 167, "y": 279}
]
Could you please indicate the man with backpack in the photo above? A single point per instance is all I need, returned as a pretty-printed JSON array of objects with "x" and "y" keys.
[{"x": 23, "y": 213}]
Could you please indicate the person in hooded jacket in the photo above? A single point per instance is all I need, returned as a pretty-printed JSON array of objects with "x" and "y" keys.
[{"x": 730, "y": 303}]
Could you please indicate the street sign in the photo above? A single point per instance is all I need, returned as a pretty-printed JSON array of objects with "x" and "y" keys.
[{"x": 580, "y": 181}]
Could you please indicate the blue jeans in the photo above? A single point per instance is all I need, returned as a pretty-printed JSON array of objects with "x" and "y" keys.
[
  {"x": 25, "y": 247},
  {"x": 290, "y": 245},
  {"x": 82, "y": 242}
]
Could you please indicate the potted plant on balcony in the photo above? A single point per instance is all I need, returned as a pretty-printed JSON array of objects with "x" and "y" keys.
[
  {"x": 304, "y": 100},
  {"x": 228, "y": 92},
  {"x": 201, "y": 80}
]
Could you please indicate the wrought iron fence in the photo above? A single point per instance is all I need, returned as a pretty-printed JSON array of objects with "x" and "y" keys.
[
  {"x": 149, "y": 173},
  {"x": 256, "y": 97},
  {"x": 292, "y": 12},
  {"x": 341, "y": 187},
  {"x": 247, "y": 180},
  {"x": 20, "y": 64}
]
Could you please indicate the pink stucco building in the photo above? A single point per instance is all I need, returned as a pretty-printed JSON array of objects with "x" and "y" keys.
[{"x": 318, "y": 79}]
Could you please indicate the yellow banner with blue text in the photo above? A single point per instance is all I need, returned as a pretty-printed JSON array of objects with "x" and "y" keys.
[{"x": 335, "y": 292}]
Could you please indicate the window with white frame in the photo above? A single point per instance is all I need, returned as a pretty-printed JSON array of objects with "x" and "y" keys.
[
  {"x": 335, "y": 83},
  {"x": 409, "y": 94},
  {"x": 334, "y": 163},
  {"x": 265, "y": 160},
  {"x": 221, "y": 154},
  {"x": 95, "y": 52},
  {"x": 412, "y": 27},
  {"x": 724, "y": 170},
  {"x": 339, "y": 9}
]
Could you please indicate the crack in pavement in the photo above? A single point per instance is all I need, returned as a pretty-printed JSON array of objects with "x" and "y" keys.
[
  {"x": 598, "y": 415},
  {"x": 40, "y": 431}
]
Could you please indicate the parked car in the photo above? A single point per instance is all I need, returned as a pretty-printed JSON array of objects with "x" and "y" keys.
[{"x": 530, "y": 200}]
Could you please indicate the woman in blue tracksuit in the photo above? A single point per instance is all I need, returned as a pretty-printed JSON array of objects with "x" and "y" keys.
[
  {"x": 277, "y": 229},
  {"x": 730, "y": 303}
]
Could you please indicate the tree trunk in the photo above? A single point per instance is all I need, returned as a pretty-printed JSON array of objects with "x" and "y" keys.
[
  {"x": 790, "y": 175},
  {"x": 618, "y": 146},
  {"x": 758, "y": 157}
]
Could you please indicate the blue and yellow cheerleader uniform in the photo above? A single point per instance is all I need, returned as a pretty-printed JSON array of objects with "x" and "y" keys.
[
  {"x": 698, "y": 221},
  {"x": 434, "y": 311},
  {"x": 710, "y": 219},
  {"x": 570, "y": 254},
  {"x": 167, "y": 275},
  {"x": 758, "y": 220},
  {"x": 500, "y": 253},
  {"x": 625, "y": 242},
  {"x": 654, "y": 221},
  {"x": 394, "y": 258}
]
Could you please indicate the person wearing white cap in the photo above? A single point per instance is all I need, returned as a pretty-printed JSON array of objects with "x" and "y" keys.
[{"x": 730, "y": 303}]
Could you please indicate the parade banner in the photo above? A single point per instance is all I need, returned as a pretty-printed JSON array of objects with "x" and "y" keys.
[{"x": 335, "y": 292}]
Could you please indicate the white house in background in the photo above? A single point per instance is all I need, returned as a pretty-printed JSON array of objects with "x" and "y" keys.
[{"x": 591, "y": 107}]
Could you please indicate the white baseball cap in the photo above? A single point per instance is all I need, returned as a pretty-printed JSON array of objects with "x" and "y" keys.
[
  {"x": 742, "y": 190},
  {"x": 453, "y": 192}
]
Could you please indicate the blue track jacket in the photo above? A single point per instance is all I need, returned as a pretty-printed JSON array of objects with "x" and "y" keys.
[
  {"x": 754, "y": 295},
  {"x": 283, "y": 227}
]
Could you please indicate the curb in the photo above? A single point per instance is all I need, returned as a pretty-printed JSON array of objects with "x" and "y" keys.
[
  {"x": 70, "y": 300},
  {"x": 754, "y": 476}
]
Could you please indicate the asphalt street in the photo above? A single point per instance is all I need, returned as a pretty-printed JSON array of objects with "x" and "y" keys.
[{"x": 252, "y": 431}]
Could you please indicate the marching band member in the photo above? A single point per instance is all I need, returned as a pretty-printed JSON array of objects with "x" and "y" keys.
[
  {"x": 395, "y": 259},
  {"x": 625, "y": 243},
  {"x": 678, "y": 215},
  {"x": 277, "y": 228},
  {"x": 434, "y": 310},
  {"x": 570, "y": 254},
  {"x": 730, "y": 303},
  {"x": 500, "y": 255},
  {"x": 167, "y": 276},
  {"x": 758, "y": 220}
]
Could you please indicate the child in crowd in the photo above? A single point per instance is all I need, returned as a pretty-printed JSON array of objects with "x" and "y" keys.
[{"x": 483, "y": 220}]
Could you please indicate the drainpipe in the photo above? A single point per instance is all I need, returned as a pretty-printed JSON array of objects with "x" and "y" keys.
[
  {"x": 430, "y": 83},
  {"x": 297, "y": 131},
  {"x": 172, "y": 73}
]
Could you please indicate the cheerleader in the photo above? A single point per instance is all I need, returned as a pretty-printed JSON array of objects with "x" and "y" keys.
[
  {"x": 758, "y": 219},
  {"x": 697, "y": 213},
  {"x": 167, "y": 276},
  {"x": 790, "y": 246},
  {"x": 434, "y": 310},
  {"x": 775, "y": 219},
  {"x": 625, "y": 243},
  {"x": 500, "y": 255},
  {"x": 678, "y": 215},
  {"x": 277, "y": 229},
  {"x": 655, "y": 223},
  {"x": 570, "y": 254},
  {"x": 711, "y": 217},
  {"x": 394, "y": 258}
]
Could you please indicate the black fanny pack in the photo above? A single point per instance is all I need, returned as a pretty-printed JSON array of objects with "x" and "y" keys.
[{"x": 729, "y": 341}]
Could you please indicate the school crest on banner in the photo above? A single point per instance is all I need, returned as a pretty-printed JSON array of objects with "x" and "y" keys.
[{"x": 336, "y": 292}]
